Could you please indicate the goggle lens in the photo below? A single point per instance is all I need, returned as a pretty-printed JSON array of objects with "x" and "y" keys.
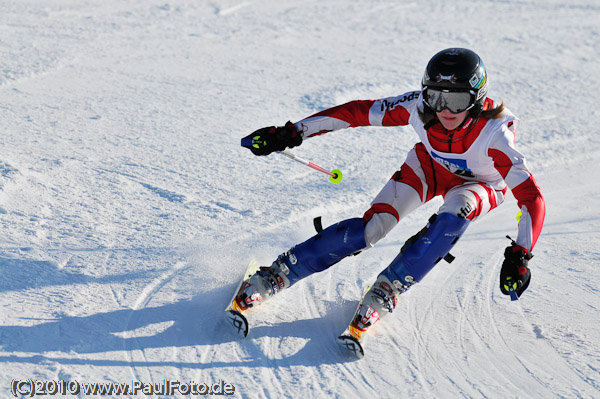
[{"x": 454, "y": 101}]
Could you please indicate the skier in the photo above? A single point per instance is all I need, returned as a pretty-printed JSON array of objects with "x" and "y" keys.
[{"x": 466, "y": 154}]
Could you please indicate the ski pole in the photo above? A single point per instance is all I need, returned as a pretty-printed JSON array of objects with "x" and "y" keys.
[{"x": 335, "y": 175}]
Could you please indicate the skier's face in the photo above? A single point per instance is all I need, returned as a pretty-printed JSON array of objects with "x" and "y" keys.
[{"x": 449, "y": 120}]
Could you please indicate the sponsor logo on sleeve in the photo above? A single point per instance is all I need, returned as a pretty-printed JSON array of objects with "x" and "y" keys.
[{"x": 387, "y": 105}]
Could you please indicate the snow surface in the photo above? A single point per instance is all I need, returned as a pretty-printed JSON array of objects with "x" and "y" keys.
[{"x": 128, "y": 210}]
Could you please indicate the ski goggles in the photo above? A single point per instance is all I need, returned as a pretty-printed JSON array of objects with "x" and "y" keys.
[{"x": 454, "y": 101}]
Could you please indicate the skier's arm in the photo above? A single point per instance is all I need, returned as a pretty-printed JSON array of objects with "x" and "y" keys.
[
  {"x": 515, "y": 273},
  {"x": 392, "y": 111},
  {"x": 511, "y": 165}
]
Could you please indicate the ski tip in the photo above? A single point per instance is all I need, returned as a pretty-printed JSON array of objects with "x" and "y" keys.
[
  {"x": 239, "y": 323},
  {"x": 513, "y": 294},
  {"x": 351, "y": 345}
]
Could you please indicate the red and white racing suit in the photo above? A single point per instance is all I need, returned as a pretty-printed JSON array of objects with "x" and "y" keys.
[{"x": 471, "y": 167}]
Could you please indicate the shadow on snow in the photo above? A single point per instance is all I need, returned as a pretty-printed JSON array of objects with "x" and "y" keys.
[{"x": 196, "y": 322}]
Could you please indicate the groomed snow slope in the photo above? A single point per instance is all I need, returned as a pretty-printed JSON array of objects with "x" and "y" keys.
[{"x": 128, "y": 210}]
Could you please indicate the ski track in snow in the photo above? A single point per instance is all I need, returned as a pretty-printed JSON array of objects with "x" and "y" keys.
[
  {"x": 143, "y": 300},
  {"x": 128, "y": 209}
]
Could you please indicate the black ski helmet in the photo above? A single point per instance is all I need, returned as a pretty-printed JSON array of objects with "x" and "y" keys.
[{"x": 457, "y": 69}]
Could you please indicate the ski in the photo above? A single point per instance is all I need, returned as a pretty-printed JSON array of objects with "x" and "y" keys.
[
  {"x": 352, "y": 337},
  {"x": 239, "y": 323},
  {"x": 233, "y": 312},
  {"x": 351, "y": 345}
]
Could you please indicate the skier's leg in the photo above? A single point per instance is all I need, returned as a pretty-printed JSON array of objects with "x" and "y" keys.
[
  {"x": 350, "y": 236},
  {"x": 471, "y": 200},
  {"x": 313, "y": 255},
  {"x": 394, "y": 201},
  {"x": 418, "y": 256},
  {"x": 424, "y": 250},
  {"x": 331, "y": 245}
]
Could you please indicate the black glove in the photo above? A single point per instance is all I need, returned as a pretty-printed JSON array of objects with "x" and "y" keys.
[
  {"x": 269, "y": 139},
  {"x": 515, "y": 272}
]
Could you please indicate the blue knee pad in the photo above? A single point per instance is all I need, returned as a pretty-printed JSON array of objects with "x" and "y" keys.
[
  {"x": 424, "y": 250},
  {"x": 324, "y": 249}
]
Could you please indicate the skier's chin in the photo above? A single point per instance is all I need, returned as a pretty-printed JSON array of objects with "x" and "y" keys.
[{"x": 451, "y": 121}]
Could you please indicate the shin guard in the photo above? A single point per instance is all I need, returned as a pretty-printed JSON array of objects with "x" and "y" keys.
[
  {"x": 424, "y": 250},
  {"x": 324, "y": 249}
]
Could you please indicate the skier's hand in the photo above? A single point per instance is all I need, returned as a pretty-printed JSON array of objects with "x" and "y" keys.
[
  {"x": 269, "y": 139},
  {"x": 515, "y": 272}
]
